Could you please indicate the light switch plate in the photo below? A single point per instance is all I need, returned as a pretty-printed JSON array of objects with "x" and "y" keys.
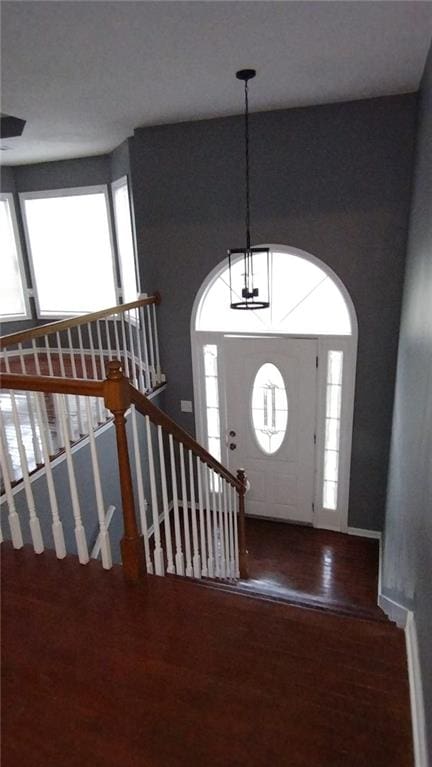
[{"x": 186, "y": 406}]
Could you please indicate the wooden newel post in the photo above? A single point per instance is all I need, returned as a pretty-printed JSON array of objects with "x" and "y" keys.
[
  {"x": 117, "y": 400},
  {"x": 243, "y": 553}
]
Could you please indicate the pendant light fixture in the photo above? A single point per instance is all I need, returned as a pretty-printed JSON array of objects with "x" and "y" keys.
[{"x": 249, "y": 287}]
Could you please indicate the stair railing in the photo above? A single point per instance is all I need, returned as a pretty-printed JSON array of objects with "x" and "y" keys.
[
  {"x": 80, "y": 347},
  {"x": 196, "y": 505}
]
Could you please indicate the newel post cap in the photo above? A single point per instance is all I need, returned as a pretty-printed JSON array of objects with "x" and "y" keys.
[{"x": 116, "y": 388}]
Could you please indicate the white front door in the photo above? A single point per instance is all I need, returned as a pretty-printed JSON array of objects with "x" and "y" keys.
[{"x": 270, "y": 386}]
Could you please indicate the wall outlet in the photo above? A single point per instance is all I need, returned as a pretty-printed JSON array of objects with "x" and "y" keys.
[{"x": 186, "y": 406}]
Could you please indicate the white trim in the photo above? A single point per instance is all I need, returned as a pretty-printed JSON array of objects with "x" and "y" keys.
[
  {"x": 115, "y": 185},
  {"x": 323, "y": 518},
  {"x": 26, "y": 291},
  {"x": 67, "y": 192},
  {"x": 362, "y": 533},
  {"x": 405, "y": 619},
  {"x": 416, "y": 693},
  {"x": 394, "y": 611}
]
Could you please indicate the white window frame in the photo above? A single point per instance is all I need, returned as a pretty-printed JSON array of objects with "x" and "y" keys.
[
  {"x": 117, "y": 184},
  {"x": 67, "y": 192},
  {"x": 9, "y": 197},
  {"x": 322, "y": 518}
]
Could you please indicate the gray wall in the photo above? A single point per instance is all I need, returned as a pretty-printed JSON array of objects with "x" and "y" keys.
[
  {"x": 407, "y": 564},
  {"x": 332, "y": 180}
]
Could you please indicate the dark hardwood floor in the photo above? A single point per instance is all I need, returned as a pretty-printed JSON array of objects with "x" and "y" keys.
[
  {"x": 313, "y": 567},
  {"x": 170, "y": 674}
]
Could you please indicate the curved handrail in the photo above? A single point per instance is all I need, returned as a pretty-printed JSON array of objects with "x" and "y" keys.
[
  {"x": 158, "y": 417},
  {"x": 73, "y": 322}
]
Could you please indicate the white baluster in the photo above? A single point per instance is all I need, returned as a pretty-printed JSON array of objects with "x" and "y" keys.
[
  {"x": 211, "y": 566},
  {"x": 74, "y": 374},
  {"x": 167, "y": 526},
  {"x": 60, "y": 356},
  {"x": 125, "y": 349},
  {"x": 132, "y": 351},
  {"x": 226, "y": 527},
  {"x": 156, "y": 343},
  {"x": 146, "y": 358},
  {"x": 158, "y": 551},
  {"x": 196, "y": 560},
  {"x": 216, "y": 536},
  {"x": 48, "y": 354},
  {"x": 152, "y": 356},
  {"x": 29, "y": 400},
  {"x": 80, "y": 535},
  {"x": 116, "y": 336},
  {"x": 189, "y": 570},
  {"x": 35, "y": 529},
  {"x": 43, "y": 402},
  {"x": 204, "y": 570},
  {"x": 231, "y": 522},
  {"x": 105, "y": 546},
  {"x": 8, "y": 459},
  {"x": 82, "y": 356},
  {"x": 142, "y": 503},
  {"x": 36, "y": 357},
  {"x": 108, "y": 338},
  {"x": 13, "y": 518},
  {"x": 56, "y": 527},
  {"x": 179, "y": 558},
  {"x": 60, "y": 436},
  {"x": 100, "y": 350},
  {"x": 92, "y": 351},
  {"x": 140, "y": 359},
  {"x": 99, "y": 409},
  {"x": 221, "y": 527},
  {"x": 236, "y": 546}
]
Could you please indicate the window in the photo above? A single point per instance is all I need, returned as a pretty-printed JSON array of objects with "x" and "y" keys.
[
  {"x": 212, "y": 400},
  {"x": 13, "y": 298},
  {"x": 269, "y": 408},
  {"x": 125, "y": 240},
  {"x": 304, "y": 299},
  {"x": 332, "y": 429},
  {"x": 69, "y": 238}
]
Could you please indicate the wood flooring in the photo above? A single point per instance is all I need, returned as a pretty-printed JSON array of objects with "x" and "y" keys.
[{"x": 170, "y": 674}]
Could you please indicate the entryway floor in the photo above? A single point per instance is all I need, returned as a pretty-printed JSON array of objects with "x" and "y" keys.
[{"x": 317, "y": 568}]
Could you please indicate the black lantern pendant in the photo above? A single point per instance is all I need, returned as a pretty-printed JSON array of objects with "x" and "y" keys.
[{"x": 244, "y": 290}]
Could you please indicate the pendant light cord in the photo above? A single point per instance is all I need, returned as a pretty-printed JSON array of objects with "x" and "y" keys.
[{"x": 248, "y": 239}]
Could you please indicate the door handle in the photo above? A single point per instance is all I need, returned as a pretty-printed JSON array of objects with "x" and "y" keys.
[{"x": 232, "y": 445}]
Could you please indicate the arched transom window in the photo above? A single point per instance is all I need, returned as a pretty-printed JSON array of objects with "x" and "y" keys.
[{"x": 304, "y": 300}]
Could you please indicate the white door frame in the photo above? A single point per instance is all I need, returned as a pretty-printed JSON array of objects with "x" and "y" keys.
[{"x": 323, "y": 518}]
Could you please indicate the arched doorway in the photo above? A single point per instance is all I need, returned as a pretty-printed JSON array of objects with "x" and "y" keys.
[{"x": 274, "y": 389}]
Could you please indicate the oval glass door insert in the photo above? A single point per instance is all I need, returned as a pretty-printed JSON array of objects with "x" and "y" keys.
[{"x": 269, "y": 408}]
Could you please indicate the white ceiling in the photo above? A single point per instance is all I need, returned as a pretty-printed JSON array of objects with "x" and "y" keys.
[{"x": 85, "y": 74}]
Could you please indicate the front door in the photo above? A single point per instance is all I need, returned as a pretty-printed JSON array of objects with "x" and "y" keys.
[{"x": 270, "y": 386}]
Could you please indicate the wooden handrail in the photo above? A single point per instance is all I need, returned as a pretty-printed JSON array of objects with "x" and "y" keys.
[
  {"x": 51, "y": 384},
  {"x": 73, "y": 322},
  {"x": 158, "y": 417}
]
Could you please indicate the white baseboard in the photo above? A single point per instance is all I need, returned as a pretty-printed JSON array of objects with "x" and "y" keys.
[
  {"x": 405, "y": 619},
  {"x": 416, "y": 693},
  {"x": 364, "y": 533},
  {"x": 396, "y": 612}
]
